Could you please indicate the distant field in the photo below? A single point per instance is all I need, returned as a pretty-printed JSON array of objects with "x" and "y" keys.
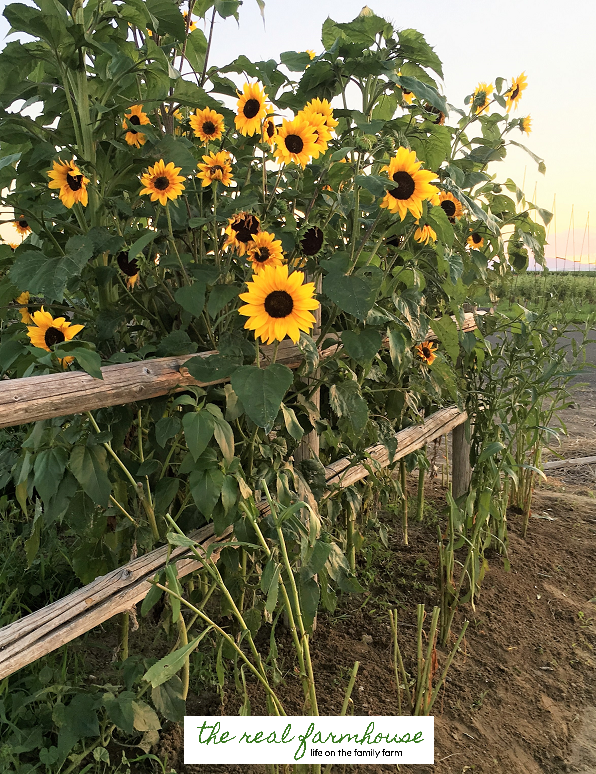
[{"x": 570, "y": 292}]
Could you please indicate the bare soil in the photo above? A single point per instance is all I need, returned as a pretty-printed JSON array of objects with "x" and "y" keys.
[{"x": 520, "y": 696}]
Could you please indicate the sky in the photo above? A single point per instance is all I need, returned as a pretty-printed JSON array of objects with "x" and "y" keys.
[{"x": 477, "y": 40}]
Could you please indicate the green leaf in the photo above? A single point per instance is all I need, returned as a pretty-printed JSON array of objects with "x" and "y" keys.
[
  {"x": 191, "y": 298},
  {"x": 81, "y": 715},
  {"x": 196, "y": 48},
  {"x": 399, "y": 350},
  {"x": 206, "y": 486},
  {"x": 88, "y": 359},
  {"x": 219, "y": 297},
  {"x": 261, "y": 391},
  {"x": 176, "y": 343},
  {"x": 49, "y": 468},
  {"x": 119, "y": 709},
  {"x": 347, "y": 402},
  {"x": 140, "y": 244},
  {"x": 412, "y": 45},
  {"x": 438, "y": 220},
  {"x": 199, "y": 427},
  {"x": 175, "y": 149},
  {"x": 153, "y": 595},
  {"x": 168, "y": 699},
  {"x": 166, "y": 428},
  {"x": 224, "y": 435},
  {"x": 309, "y": 599},
  {"x": 490, "y": 451},
  {"x": 537, "y": 159},
  {"x": 293, "y": 426},
  {"x": 272, "y": 589},
  {"x": 229, "y": 493},
  {"x": 353, "y": 295},
  {"x": 446, "y": 330},
  {"x": 295, "y": 61},
  {"x": 422, "y": 91},
  {"x": 169, "y": 19},
  {"x": 362, "y": 346},
  {"x": 214, "y": 368},
  {"x": 145, "y": 718},
  {"x": 166, "y": 490},
  {"x": 89, "y": 466}
]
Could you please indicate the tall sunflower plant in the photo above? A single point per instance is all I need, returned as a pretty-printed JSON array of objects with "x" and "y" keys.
[{"x": 166, "y": 205}]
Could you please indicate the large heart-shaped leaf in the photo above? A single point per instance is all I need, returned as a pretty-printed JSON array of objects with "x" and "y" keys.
[{"x": 261, "y": 391}]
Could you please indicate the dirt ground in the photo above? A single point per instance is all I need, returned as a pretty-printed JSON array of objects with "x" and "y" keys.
[{"x": 521, "y": 694}]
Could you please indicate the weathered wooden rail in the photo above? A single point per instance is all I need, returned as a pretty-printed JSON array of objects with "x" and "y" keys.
[
  {"x": 33, "y": 398},
  {"x": 45, "y": 630}
]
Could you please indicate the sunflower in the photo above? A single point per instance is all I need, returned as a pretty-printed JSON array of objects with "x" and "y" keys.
[
  {"x": 240, "y": 232},
  {"x": 312, "y": 241},
  {"x": 70, "y": 181},
  {"x": 128, "y": 267},
  {"x": 24, "y": 310},
  {"x": 412, "y": 184},
  {"x": 525, "y": 124},
  {"x": 322, "y": 107},
  {"x": 450, "y": 206},
  {"x": 269, "y": 131},
  {"x": 311, "y": 53},
  {"x": 439, "y": 115},
  {"x": 45, "y": 332},
  {"x": 278, "y": 304},
  {"x": 513, "y": 94},
  {"x": 481, "y": 98},
  {"x": 476, "y": 240},
  {"x": 22, "y": 227},
  {"x": 408, "y": 96},
  {"x": 426, "y": 351},
  {"x": 162, "y": 182},
  {"x": 264, "y": 250},
  {"x": 425, "y": 234},
  {"x": 321, "y": 130},
  {"x": 191, "y": 25},
  {"x": 207, "y": 124},
  {"x": 136, "y": 117},
  {"x": 296, "y": 141},
  {"x": 252, "y": 109},
  {"x": 217, "y": 167}
]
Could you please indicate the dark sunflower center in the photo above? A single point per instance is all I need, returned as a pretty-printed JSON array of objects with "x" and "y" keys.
[
  {"x": 23, "y": 223},
  {"x": 53, "y": 336},
  {"x": 245, "y": 228},
  {"x": 279, "y": 303},
  {"x": 448, "y": 208},
  {"x": 405, "y": 185},
  {"x": 476, "y": 238},
  {"x": 312, "y": 241},
  {"x": 134, "y": 120},
  {"x": 405, "y": 91},
  {"x": 208, "y": 127},
  {"x": 130, "y": 268},
  {"x": 251, "y": 108},
  {"x": 75, "y": 182},
  {"x": 396, "y": 240},
  {"x": 514, "y": 93},
  {"x": 262, "y": 255},
  {"x": 161, "y": 183},
  {"x": 426, "y": 352},
  {"x": 270, "y": 129},
  {"x": 294, "y": 143},
  {"x": 216, "y": 168},
  {"x": 440, "y": 119}
]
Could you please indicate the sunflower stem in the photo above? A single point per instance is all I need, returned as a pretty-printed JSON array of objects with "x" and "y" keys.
[
  {"x": 172, "y": 241},
  {"x": 215, "y": 235}
]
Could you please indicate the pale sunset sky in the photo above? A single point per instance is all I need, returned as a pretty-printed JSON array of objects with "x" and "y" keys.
[{"x": 477, "y": 40}]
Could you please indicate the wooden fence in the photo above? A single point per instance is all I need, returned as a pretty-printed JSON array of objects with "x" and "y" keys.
[{"x": 43, "y": 397}]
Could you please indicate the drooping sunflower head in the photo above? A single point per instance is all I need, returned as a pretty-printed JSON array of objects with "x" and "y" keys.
[
  {"x": 264, "y": 250},
  {"x": 47, "y": 331},
  {"x": 269, "y": 131},
  {"x": 279, "y": 304},
  {"x": 240, "y": 232},
  {"x": 312, "y": 241},
  {"x": 476, "y": 240},
  {"x": 190, "y": 24},
  {"x": 128, "y": 267},
  {"x": 412, "y": 184},
  {"x": 425, "y": 234},
  {"x": 481, "y": 98},
  {"x": 296, "y": 141},
  {"x": 24, "y": 310},
  {"x": 319, "y": 126},
  {"x": 70, "y": 182},
  {"x": 525, "y": 124},
  {"x": 162, "y": 182},
  {"x": 439, "y": 116},
  {"x": 450, "y": 206},
  {"x": 252, "y": 109},
  {"x": 426, "y": 351},
  {"x": 207, "y": 124},
  {"x": 217, "y": 167},
  {"x": 135, "y": 118},
  {"x": 323, "y": 107},
  {"x": 22, "y": 227},
  {"x": 513, "y": 94}
]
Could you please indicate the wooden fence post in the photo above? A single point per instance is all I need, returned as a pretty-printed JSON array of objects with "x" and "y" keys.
[{"x": 460, "y": 459}]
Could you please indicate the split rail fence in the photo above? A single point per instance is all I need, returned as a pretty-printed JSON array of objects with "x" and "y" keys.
[{"x": 43, "y": 397}]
